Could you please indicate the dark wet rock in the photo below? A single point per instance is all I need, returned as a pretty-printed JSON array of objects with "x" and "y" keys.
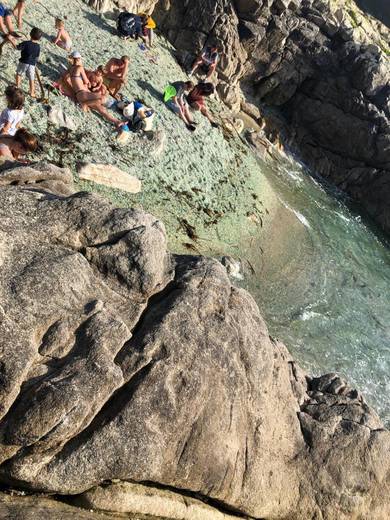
[{"x": 121, "y": 362}]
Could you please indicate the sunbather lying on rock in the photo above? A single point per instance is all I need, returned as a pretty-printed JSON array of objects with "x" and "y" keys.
[
  {"x": 196, "y": 100},
  {"x": 115, "y": 74},
  {"x": 81, "y": 88},
  {"x": 64, "y": 85},
  {"x": 22, "y": 143},
  {"x": 175, "y": 99}
]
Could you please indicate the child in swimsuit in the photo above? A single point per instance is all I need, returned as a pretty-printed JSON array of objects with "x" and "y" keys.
[{"x": 62, "y": 39}]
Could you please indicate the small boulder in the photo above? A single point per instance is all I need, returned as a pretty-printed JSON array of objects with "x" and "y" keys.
[{"x": 109, "y": 175}]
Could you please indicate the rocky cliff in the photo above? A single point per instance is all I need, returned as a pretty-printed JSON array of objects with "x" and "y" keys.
[
  {"x": 313, "y": 61},
  {"x": 122, "y": 362}
]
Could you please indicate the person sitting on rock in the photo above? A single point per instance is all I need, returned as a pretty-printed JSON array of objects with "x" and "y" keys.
[
  {"x": 81, "y": 88},
  {"x": 12, "y": 116},
  {"x": 96, "y": 79},
  {"x": 195, "y": 99},
  {"x": 129, "y": 25},
  {"x": 115, "y": 74},
  {"x": 207, "y": 61},
  {"x": 64, "y": 85},
  {"x": 62, "y": 39},
  {"x": 20, "y": 144},
  {"x": 148, "y": 26},
  {"x": 175, "y": 99}
]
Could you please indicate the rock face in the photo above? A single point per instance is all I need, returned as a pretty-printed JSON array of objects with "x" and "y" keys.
[
  {"x": 120, "y": 361},
  {"x": 133, "y": 6}
]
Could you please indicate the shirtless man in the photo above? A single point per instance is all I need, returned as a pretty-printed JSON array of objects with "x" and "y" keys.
[
  {"x": 81, "y": 88},
  {"x": 115, "y": 74}
]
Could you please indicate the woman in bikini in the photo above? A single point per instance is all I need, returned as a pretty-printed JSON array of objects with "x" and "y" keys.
[{"x": 81, "y": 88}]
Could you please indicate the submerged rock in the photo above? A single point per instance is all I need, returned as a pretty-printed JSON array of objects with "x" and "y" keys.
[{"x": 121, "y": 362}]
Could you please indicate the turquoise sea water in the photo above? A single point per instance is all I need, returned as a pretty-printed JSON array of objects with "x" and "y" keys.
[{"x": 327, "y": 292}]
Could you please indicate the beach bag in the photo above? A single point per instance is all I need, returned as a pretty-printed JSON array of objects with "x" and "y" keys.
[
  {"x": 129, "y": 24},
  {"x": 139, "y": 116}
]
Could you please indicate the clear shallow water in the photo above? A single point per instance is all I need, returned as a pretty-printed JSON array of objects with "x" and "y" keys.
[{"x": 326, "y": 292}]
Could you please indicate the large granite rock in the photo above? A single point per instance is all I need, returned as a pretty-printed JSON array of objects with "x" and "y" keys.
[{"x": 121, "y": 362}]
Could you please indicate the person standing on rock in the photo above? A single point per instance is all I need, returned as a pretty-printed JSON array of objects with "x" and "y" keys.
[
  {"x": 18, "y": 12},
  {"x": 197, "y": 102},
  {"x": 148, "y": 26},
  {"x": 207, "y": 61},
  {"x": 30, "y": 52},
  {"x": 115, "y": 74}
]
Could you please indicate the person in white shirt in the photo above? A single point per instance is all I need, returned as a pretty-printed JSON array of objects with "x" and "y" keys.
[{"x": 11, "y": 117}]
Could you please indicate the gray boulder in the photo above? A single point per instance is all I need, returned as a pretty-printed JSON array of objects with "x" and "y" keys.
[{"x": 121, "y": 362}]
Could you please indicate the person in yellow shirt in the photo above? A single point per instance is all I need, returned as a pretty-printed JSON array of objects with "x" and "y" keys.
[{"x": 148, "y": 26}]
